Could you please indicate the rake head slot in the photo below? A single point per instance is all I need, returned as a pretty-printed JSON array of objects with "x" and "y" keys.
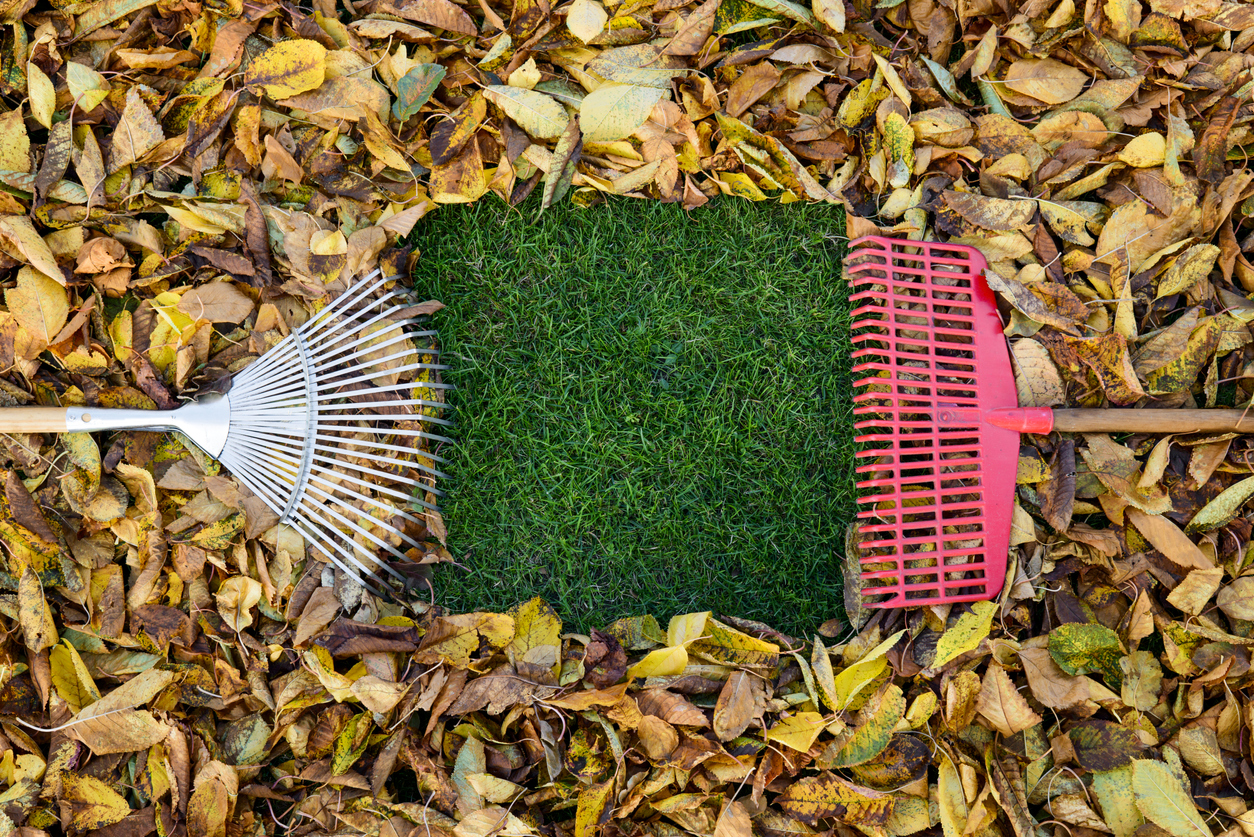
[{"x": 936, "y": 482}]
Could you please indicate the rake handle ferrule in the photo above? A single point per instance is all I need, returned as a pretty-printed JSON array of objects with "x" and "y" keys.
[{"x": 1042, "y": 420}]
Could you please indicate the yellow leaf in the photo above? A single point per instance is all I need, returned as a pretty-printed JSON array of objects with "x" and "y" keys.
[
  {"x": 593, "y": 809},
  {"x": 1193, "y": 594},
  {"x": 1145, "y": 151},
  {"x": 861, "y": 674},
  {"x": 492, "y": 788},
  {"x": 537, "y": 639},
  {"x": 1046, "y": 80},
  {"x": 376, "y": 694},
  {"x": 733, "y": 821},
  {"x": 967, "y": 633},
  {"x": 527, "y": 76},
  {"x": 740, "y": 185},
  {"x": 661, "y": 662},
  {"x": 14, "y": 142},
  {"x": 798, "y": 731},
  {"x": 38, "y": 303},
  {"x": 686, "y": 628},
  {"x": 950, "y": 798},
  {"x": 1190, "y": 267},
  {"x": 821, "y": 663},
  {"x": 38, "y": 629},
  {"x": 537, "y": 114},
  {"x": 71, "y": 678},
  {"x": 136, "y": 134},
  {"x": 586, "y": 19},
  {"x": 830, "y": 12},
  {"x": 88, "y": 88},
  {"x": 91, "y": 803},
  {"x": 213, "y": 794},
  {"x": 723, "y": 644},
  {"x": 857, "y": 110},
  {"x": 43, "y": 96},
  {"x": 193, "y": 221},
  {"x": 1163, "y": 801},
  {"x": 1117, "y": 800},
  {"x": 827, "y": 796},
  {"x": 288, "y": 68},
  {"x": 898, "y": 149},
  {"x": 614, "y": 111},
  {"x": 319, "y": 661},
  {"x": 21, "y": 232},
  {"x": 236, "y": 598}
]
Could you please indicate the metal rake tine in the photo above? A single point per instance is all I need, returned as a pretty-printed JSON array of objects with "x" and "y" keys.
[{"x": 336, "y": 470}]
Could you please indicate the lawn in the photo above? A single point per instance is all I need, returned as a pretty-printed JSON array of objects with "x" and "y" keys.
[{"x": 652, "y": 408}]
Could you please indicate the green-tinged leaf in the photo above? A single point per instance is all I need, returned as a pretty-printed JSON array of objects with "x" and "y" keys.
[
  {"x": 537, "y": 114},
  {"x": 877, "y": 719},
  {"x": 566, "y": 155},
  {"x": 1162, "y": 800},
  {"x": 414, "y": 89},
  {"x": 1117, "y": 800},
  {"x": 851, "y": 681},
  {"x": 965, "y": 634},
  {"x": 1102, "y": 745},
  {"x": 1219, "y": 511},
  {"x": 614, "y": 111},
  {"x": 1083, "y": 648}
]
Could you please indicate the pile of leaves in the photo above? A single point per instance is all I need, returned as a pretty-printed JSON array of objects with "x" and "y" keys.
[{"x": 183, "y": 182}]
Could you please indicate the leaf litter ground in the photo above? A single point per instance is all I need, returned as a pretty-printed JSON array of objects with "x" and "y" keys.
[
  {"x": 183, "y": 183},
  {"x": 652, "y": 413}
]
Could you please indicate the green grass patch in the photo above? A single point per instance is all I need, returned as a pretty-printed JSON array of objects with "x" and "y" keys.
[{"x": 652, "y": 408}]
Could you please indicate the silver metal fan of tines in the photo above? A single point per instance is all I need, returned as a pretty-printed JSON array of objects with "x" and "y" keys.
[{"x": 326, "y": 428}]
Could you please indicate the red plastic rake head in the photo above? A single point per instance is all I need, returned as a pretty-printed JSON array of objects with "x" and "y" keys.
[{"x": 936, "y": 486}]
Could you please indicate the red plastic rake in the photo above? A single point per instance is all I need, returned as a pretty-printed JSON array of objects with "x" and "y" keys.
[{"x": 939, "y": 422}]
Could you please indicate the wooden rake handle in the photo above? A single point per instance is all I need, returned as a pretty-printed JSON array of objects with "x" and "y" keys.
[
  {"x": 1043, "y": 420},
  {"x": 83, "y": 419},
  {"x": 33, "y": 420}
]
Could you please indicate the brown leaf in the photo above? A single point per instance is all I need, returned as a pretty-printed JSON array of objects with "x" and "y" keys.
[
  {"x": 1170, "y": 540},
  {"x": 657, "y": 737},
  {"x": 439, "y": 13},
  {"x": 136, "y": 134},
  {"x": 1000, "y": 703},
  {"x": 672, "y": 708},
  {"x": 347, "y": 638},
  {"x": 317, "y": 613},
  {"x": 738, "y": 704},
  {"x": 1058, "y": 494},
  {"x": 217, "y": 302},
  {"x": 752, "y": 84}
]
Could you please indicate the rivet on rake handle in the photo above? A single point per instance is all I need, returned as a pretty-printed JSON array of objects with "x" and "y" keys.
[
  {"x": 938, "y": 424},
  {"x": 321, "y": 427}
]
